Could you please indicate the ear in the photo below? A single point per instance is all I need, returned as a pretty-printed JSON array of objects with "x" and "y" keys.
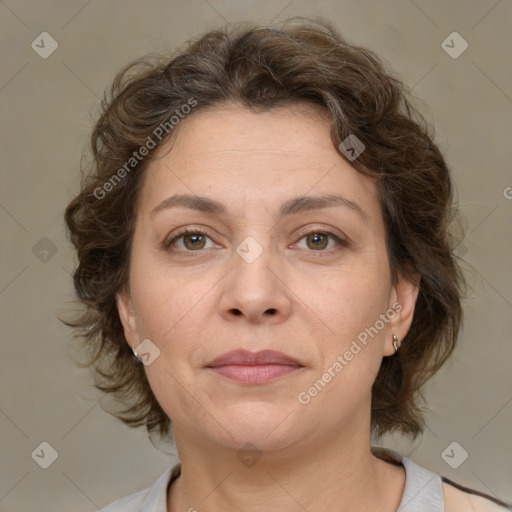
[
  {"x": 127, "y": 316},
  {"x": 403, "y": 302}
]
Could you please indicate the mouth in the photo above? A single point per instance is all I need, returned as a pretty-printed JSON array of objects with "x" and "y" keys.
[{"x": 254, "y": 367}]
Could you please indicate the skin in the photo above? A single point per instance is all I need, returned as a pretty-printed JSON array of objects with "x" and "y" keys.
[{"x": 291, "y": 299}]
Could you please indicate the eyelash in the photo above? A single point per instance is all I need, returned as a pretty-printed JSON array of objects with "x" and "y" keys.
[{"x": 197, "y": 231}]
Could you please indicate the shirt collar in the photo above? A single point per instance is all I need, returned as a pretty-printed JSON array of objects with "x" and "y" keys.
[{"x": 156, "y": 499}]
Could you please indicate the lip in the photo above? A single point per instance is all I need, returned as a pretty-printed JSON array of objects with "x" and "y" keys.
[
  {"x": 254, "y": 367},
  {"x": 244, "y": 357}
]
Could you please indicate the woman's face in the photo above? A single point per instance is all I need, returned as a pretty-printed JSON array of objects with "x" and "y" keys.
[{"x": 266, "y": 273}]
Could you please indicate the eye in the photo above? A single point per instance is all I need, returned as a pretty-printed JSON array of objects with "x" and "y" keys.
[
  {"x": 318, "y": 240},
  {"x": 189, "y": 240}
]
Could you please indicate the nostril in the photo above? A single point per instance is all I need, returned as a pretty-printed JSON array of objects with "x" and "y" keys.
[
  {"x": 237, "y": 312},
  {"x": 271, "y": 311}
]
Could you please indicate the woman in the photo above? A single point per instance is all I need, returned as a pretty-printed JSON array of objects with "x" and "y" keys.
[{"x": 266, "y": 228}]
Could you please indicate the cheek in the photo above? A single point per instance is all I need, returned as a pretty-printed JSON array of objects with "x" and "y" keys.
[
  {"x": 174, "y": 313},
  {"x": 173, "y": 318},
  {"x": 170, "y": 315},
  {"x": 163, "y": 296},
  {"x": 349, "y": 298}
]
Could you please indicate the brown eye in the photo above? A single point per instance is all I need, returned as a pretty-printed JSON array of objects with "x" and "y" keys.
[
  {"x": 194, "y": 241},
  {"x": 323, "y": 242},
  {"x": 188, "y": 241},
  {"x": 317, "y": 241}
]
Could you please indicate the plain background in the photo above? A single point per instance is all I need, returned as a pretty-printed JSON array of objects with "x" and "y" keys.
[{"x": 48, "y": 106}]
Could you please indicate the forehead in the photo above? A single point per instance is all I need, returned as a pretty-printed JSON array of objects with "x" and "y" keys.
[
  {"x": 255, "y": 159},
  {"x": 232, "y": 132}
]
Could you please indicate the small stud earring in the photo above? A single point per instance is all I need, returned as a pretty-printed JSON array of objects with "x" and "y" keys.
[
  {"x": 396, "y": 342},
  {"x": 135, "y": 354}
]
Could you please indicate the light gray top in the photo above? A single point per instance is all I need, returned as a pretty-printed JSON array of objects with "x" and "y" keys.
[{"x": 423, "y": 490}]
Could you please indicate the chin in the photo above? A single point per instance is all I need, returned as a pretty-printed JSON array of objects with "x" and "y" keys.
[{"x": 268, "y": 426}]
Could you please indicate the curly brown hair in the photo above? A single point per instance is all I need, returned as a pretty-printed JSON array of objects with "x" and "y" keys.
[{"x": 303, "y": 60}]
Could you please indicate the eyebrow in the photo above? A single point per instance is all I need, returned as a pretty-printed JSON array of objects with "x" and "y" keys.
[{"x": 292, "y": 206}]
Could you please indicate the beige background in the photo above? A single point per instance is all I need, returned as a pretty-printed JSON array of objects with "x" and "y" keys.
[{"x": 47, "y": 108}]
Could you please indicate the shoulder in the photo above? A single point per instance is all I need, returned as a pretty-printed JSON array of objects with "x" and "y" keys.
[
  {"x": 456, "y": 500},
  {"x": 152, "y": 499},
  {"x": 131, "y": 503}
]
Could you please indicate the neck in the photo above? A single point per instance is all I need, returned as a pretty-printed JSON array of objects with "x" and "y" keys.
[{"x": 339, "y": 470}]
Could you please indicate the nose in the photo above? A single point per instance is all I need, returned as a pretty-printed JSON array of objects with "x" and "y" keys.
[{"x": 256, "y": 291}]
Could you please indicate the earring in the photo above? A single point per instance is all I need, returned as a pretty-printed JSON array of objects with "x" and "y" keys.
[
  {"x": 396, "y": 342},
  {"x": 136, "y": 355}
]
